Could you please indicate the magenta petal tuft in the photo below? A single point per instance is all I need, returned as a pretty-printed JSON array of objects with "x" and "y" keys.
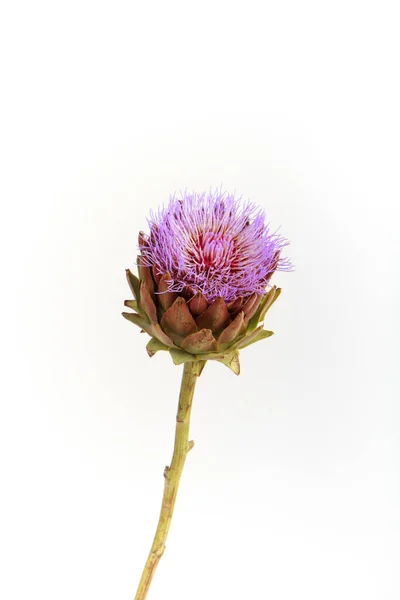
[{"x": 213, "y": 244}]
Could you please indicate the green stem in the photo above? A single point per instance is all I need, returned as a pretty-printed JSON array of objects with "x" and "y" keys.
[{"x": 172, "y": 475}]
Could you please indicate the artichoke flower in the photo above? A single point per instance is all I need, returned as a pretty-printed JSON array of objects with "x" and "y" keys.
[
  {"x": 202, "y": 294},
  {"x": 203, "y": 288}
]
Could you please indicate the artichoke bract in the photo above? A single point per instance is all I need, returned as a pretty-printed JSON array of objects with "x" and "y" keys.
[{"x": 203, "y": 287}]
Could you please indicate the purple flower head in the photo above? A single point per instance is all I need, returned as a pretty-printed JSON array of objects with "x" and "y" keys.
[{"x": 214, "y": 244}]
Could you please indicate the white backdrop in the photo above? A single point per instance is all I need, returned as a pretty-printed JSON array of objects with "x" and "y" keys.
[{"x": 292, "y": 489}]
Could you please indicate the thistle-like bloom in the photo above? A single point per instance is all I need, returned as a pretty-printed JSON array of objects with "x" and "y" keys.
[
  {"x": 204, "y": 272},
  {"x": 214, "y": 245}
]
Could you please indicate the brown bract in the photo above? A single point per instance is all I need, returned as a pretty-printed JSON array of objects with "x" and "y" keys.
[{"x": 189, "y": 327}]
